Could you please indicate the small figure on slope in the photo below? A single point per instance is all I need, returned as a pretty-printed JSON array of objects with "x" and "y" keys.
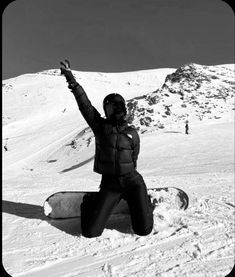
[
  {"x": 186, "y": 127},
  {"x": 116, "y": 153}
]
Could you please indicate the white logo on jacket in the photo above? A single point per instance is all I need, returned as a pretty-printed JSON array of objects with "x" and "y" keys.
[{"x": 130, "y": 136}]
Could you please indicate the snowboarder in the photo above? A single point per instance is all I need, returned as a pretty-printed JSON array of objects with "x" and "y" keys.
[
  {"x": 117, "y": 149},
  {"x": 186, "y": 127}
]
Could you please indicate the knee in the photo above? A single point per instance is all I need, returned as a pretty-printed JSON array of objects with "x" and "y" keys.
[
  {"x": 89, "y": 233},
  {"x": 145, "y": 227},
  {"x": 143, "y": 231}
]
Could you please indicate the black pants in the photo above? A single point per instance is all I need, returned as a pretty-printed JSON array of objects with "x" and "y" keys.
[{"x": 131, "y": 187}]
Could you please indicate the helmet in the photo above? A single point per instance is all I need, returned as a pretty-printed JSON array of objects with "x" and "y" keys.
[{"x": 114, "y": 106}]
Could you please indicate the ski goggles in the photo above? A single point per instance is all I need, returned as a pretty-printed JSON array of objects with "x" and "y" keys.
[{"x": 116, "y": 107}]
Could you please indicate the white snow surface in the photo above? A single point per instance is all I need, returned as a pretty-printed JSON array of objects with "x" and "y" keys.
[{"x": 48, "y": 147}]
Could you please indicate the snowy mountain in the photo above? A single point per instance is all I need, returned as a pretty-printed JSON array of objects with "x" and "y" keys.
[
  {"x": 194, "y": 92},
  {"x": 156, "y": 99},
  {"x": 36, "y": 103},
  {"x": 48, "y": 147}
]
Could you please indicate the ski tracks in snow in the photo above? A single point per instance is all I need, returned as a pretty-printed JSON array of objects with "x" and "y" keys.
[
  {"x": 195, "y": 242},
  {"x": 183, "y": 243}
]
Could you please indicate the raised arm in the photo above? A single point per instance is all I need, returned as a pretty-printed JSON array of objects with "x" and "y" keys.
[{"x": 90, "y": 114}]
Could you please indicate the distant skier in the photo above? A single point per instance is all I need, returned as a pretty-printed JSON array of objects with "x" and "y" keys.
[
  {"x": 5, "y": 146},
  {"x": 117, "y": 149},
  {"x": 186, "y": 127}
]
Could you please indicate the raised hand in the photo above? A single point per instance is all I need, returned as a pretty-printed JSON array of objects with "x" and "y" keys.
[
  {"x": 66, "y": 71},
  {"x": 65, "y": 66}
]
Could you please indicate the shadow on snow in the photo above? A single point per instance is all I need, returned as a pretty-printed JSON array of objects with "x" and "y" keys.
[
  {"x": 71, "y": 226},
  {"x": 77, "y": 165}
]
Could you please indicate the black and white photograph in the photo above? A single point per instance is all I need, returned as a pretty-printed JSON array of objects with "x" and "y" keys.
[{"x": 118, "y": 138}]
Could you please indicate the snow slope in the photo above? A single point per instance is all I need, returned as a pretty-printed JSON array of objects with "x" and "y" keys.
[{"x": 48, "y": 147}]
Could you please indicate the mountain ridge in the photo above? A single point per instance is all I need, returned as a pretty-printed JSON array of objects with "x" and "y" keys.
[
  {"x": 193, "y": 91},
  {"x": 36, "y": 103}
]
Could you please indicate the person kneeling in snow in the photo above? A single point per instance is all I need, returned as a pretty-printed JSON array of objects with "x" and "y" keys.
[{"x": 117, "y": 149}]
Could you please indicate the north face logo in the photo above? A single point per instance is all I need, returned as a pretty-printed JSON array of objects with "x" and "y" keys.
[{"x": 130, "y": 136}]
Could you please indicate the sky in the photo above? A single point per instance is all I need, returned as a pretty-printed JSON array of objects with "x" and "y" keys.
[{"x": 115, "y": 35}]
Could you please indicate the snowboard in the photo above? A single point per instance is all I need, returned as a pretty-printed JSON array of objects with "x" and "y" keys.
[{"x": 62, "y": 205}]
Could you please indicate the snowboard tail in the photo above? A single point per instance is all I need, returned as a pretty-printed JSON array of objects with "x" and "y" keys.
[{"x": 67, "y": 204}]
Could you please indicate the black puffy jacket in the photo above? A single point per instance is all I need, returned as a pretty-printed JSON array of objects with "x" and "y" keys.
[{"x": 117, "y": 146}]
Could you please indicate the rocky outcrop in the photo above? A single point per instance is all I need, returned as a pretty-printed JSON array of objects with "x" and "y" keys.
[{"x": 196, "y": 91}]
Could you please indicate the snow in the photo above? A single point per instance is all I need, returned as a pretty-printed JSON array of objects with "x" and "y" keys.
[{"x": 50, "y": 149}]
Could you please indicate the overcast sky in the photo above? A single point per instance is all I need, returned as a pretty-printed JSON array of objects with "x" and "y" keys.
[{"x": 115, "y": 35}]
